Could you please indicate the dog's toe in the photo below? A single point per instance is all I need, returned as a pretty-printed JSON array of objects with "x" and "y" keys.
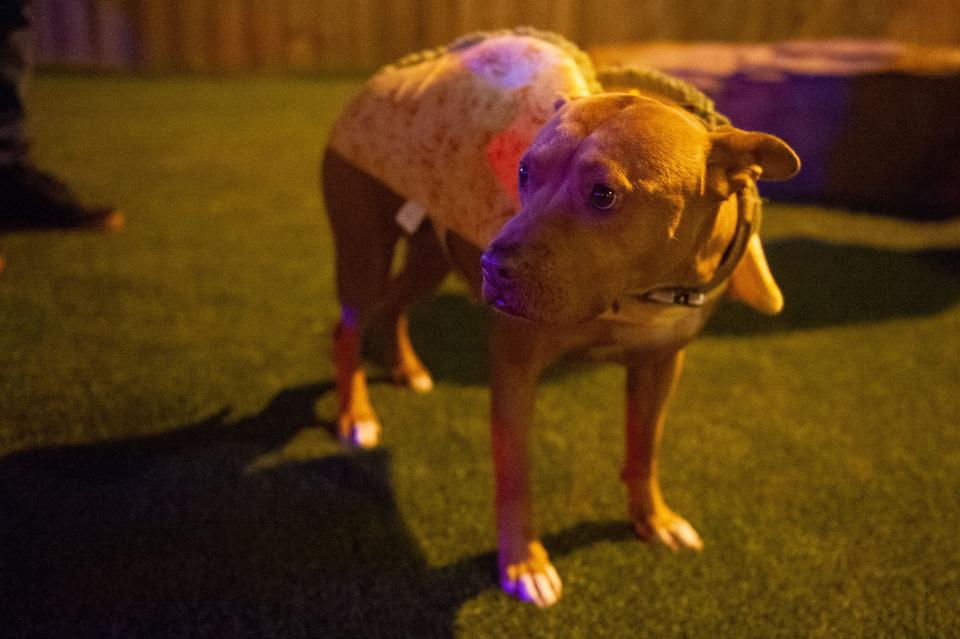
[
  {"x": 420, "y": 383},
  {"x": 686, "y": 535},
  {"x": 669, "y": 529},
  {"x": 535, "y": 581},
  {"x": 363, "y": 433},
  {"x": 416, "y": 378},
  {"x": 542, "y": 590}
]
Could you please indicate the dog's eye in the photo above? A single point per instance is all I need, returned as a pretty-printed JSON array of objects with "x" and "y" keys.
[
  {"x": 602, "y": 197},
  {"x": 524, "y": 175}
]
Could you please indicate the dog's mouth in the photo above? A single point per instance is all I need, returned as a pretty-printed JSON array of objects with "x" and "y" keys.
[
  {"x": 499, "y": 299},
  {"x": 506, "y": 301},
  {"x": 518, "y": 298}
]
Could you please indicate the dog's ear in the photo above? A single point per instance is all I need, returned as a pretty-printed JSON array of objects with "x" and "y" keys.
[
  {"x": 736, "y": 157},
  {"x": 752, "y": 282},
  {"x": 563, "y": 100}
]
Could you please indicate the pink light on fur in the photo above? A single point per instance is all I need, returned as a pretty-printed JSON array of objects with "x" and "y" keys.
[{"x": 503, "y": 155}]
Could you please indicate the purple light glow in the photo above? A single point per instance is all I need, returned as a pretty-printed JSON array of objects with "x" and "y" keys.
[
  {"x": 505, "y": 67},
  {"x": 349, "y": 316}
]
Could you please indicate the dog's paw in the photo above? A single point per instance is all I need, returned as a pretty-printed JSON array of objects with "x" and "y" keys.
[
  {"x": 533, "y": 580},
  {"x": 416, "y": 378},
  {"x": 669, "y": 529},
  {"x": 360, "y": 433}
]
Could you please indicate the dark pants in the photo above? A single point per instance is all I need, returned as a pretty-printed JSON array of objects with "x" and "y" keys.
[{"x": 14, "y": 23}]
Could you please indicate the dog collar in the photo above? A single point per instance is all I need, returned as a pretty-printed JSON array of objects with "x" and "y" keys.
[
  {"x": 696, "y": 295},
  {"x": 678, "y": 296}
]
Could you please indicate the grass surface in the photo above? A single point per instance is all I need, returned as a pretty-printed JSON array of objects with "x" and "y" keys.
[{"x": 167, "y": 467}]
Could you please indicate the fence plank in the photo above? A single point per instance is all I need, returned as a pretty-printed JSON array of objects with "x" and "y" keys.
[
  {"x": 266, "y": 34},
  {"x": 439, "y": 22},
  {"x": 338, "y": 46},
  {"x": 73, "y": 26},
  {"x": 230, "y": 28},
  {"x": 45, "y": 41},
  {"x": 604, "y": 21},
  {"x": 193, "y": 20},
  {"x": 501, "y": 14},
  {"x": 470, "y": 15},
  {"x": 402, "y": 33},
  {"x": 366, "y": 27},
  {"x": 155, "y": 21},
  {"x": 301, "y": 19},
  {"x": 114, "y": 34}
]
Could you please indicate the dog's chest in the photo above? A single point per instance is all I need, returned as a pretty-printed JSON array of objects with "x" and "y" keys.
[{"x": 654, "y": 327}]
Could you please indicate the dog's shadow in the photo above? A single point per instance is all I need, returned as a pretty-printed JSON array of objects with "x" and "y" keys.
[
  {"x": 174, "y": 535},
  {"x": 829, "y": 284}
]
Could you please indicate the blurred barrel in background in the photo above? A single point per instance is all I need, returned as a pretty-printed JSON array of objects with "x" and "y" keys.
[{"x": 873, "y": 121}]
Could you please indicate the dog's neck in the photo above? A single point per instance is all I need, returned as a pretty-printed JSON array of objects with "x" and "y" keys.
[{"x": 697, "y": 292}]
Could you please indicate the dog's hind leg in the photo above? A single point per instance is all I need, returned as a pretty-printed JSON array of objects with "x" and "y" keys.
[
  {"x": 424, "y": 269},
  {"x": 361, "y": 211}
]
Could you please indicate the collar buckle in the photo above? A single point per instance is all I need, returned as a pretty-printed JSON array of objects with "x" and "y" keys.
[{"x": 676, "y": 296}]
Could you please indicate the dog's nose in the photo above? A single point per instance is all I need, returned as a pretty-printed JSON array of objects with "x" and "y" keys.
[
  {"x": 495, "y": 267},
  {"x": 496, "y": 286}
]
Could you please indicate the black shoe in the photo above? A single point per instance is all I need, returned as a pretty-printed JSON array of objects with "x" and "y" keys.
[{"x": 31, "y": 199}]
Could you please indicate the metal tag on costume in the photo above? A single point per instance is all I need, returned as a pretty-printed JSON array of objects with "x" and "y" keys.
[{"x": 410, "y": 217}]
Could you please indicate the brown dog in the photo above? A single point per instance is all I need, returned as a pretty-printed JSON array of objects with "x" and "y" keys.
[{"x": 629, "y": 219}]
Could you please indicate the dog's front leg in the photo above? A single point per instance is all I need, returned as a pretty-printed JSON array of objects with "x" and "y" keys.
[
  {"x": 649, "y": 386},
  {"x": 517, "y": 358}
]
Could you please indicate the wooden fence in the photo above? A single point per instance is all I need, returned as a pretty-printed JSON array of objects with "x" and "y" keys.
[{"x": 349, "y": 35}]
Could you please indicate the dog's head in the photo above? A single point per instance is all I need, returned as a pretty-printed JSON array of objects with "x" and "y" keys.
[{"x": 621, "y": 192}]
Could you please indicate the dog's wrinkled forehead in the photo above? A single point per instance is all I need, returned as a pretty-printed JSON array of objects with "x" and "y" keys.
[{"x": 653, "y": 142}]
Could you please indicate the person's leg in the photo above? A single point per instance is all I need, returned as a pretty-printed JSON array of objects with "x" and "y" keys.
[
  {"x": 13, "y": 64},
  {"x": 31, "y": 198},
  {"x": 12, "y": 137}
]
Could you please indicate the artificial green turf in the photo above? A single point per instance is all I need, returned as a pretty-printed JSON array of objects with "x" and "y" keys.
[{"x": 167, "y": 467}]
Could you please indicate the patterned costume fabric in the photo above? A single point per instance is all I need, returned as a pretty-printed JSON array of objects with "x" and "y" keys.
[
  {"x": 446, "y": 128},
  {"x": 450, "y": 126}
]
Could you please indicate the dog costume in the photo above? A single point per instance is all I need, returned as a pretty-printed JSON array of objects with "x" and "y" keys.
[{"x": 458, "y": 119}]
